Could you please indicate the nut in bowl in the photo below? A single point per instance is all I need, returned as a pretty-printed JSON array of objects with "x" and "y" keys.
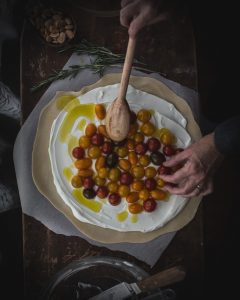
[{"x": 54, "y": 26}]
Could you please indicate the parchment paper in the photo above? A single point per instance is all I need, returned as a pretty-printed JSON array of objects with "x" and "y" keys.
[{"x": 36, "y": 205}]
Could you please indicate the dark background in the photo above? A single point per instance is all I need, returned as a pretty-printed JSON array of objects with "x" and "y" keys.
[{"x": 216, "y": 34}]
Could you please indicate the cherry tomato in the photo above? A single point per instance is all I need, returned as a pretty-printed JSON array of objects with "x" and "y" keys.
[
  {"x": 112, "y": 160},
  {"x": 84, "y": 141},
  {"x": 168, "y": 150},
  {"x": 153, "y": 144},
  {"x": 130, "y": 144},
  {"x": 132, "y": 197},
  {"x": 141, "y": 148},
  {"x": 138, "y": 137},
  {"x": 107, "y": 147},
  {"x": 89, "y": 193},
  {"x": 148, "y": 129},
  {"x": 159, "y": 194},
  {"x": 162, "y": 170},
  {"x": 138, "y": 172},
  {"x": 144, "y": 194},
  {"x": 123, "y": 190},
  {"x": 144, "y": 115},
  {"x": 135, "y": 208},
  {"x": 157, "y": 158},
  {"x": 114, "y": 199},
  {"x": 88, "y": 182},
  {"x": 167, "y": 138},
  {"x": 94, "y": 152},
  {"x": 149, "y": 205},
  {"x": 90, "y": 129},
  {"x": 78, "y": 152},
  {"x": 76, "y": 181},
  {"x": 144, "y": 160},
  {"x": 102, "y": 192},
  {"x": 100, "y": 111},
  {"x": 114, "y": 174},
  {"x": 100, "y": 181},
  {"x": 126, "y": 178},
  {"x": 97, "y": 139},
  {"x": 150, "y": 184},
  {"x": 122, "y": 151}
]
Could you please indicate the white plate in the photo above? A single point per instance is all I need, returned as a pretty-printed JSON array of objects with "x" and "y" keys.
[{"x": 165, "y": 115}]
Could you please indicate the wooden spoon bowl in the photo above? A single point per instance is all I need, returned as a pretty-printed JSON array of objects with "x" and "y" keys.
[{"x": 118, "y": 114}]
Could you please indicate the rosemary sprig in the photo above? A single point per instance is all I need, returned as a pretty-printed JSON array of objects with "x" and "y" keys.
[
  {"x": 85, "y": 47},
  {"x": 102, "y": 58}
]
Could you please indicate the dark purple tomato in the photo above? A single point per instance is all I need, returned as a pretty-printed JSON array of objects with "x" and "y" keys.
[
  {"x": 157, "y": 158},
  {"x": 89, "y": 193},
  {"x": 112, "y": 160}
]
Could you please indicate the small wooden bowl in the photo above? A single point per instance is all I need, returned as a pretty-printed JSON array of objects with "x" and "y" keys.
[{"x": 54, "y": 27}]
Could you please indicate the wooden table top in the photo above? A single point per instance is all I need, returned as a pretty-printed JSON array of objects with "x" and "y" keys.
[{"x": 168, "y": 49}]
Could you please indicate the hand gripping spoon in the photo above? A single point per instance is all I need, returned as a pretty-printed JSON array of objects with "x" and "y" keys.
[{"x": 118, "y": 114}]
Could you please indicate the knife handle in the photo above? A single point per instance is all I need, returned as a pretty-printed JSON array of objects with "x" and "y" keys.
[{"x": 162, "y": 279}]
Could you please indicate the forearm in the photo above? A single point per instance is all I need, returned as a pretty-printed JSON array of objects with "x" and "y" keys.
[{"x": 227, "y": 137}]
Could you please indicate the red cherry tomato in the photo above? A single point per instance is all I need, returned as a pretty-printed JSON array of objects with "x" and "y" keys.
[
  {"x": 153, "y": 144},
  {"x": 78, "y": 152},
  {"x": 126, "y": 178},
  {"x": 114, "y": 199},
  {"x": 102, "y": 192},
  {"x": 150, "y": 184},
  {"x": 141, "y": 148},
  {"x": 149, "y": 205},
  {"x": 162, "y": 170},
  {"x": 107, "y": 147},
  {"x": 168, "y": 150},
  {"x": 97, "y": 139},
  {"x": 88, "y": 182}
]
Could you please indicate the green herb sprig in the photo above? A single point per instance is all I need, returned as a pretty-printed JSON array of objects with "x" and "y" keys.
[{"x": 102, "y": 58}]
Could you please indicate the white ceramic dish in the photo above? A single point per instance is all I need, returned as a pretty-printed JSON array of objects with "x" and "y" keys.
[{"x": 165, "y": 115}]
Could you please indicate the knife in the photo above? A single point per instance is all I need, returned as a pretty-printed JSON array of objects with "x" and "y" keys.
[{"x": 123, "y": 290}]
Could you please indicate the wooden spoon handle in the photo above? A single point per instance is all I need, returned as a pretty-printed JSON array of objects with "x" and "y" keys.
[
  {"x": 163, "y": 278},
  {"x": 127, "y": 68}
]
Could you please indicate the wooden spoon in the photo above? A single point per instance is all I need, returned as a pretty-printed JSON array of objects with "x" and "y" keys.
[{"x": 118, "y": 114}]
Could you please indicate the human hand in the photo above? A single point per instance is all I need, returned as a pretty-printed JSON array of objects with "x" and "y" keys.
[
  {"x": 195, "y": 168},
  {"x": 136, "y": 14}
]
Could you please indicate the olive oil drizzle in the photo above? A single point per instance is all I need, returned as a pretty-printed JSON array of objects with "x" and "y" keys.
[
  {"x": 92, "y": 204},
  {"x": 84, "y": 110}
]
